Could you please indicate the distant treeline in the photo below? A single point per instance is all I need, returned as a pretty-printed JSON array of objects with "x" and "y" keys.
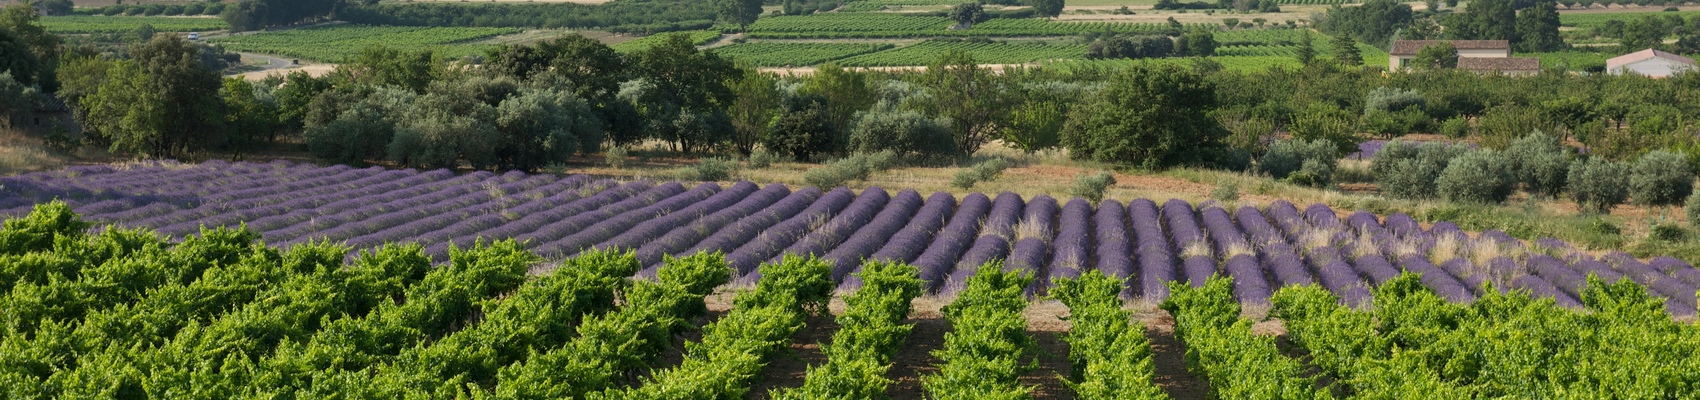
[{"x": 625, "y": 16}]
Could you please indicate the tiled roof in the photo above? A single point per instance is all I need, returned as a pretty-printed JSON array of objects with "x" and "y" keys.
[
  {"x": 1500, "y": 64},
  {"x": 1411, "y": 47}
]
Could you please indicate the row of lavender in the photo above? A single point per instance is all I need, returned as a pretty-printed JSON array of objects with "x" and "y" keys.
[{"x": 1146, "y": 243}]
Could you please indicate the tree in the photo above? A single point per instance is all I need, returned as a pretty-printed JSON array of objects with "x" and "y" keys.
[
  {"x": 1230, "y": 23},
  {"x": 540, "y": 126},
  {"x": 755, "y": 103},
  {"x": 1035, "y": 124},
  {"x": 249, "y": 119},
  {"x": 1643, "y": 33},
  {"x": 1660, "y": 178},
  {"x": 1307, "y": 50},
  {"x": 16, "y": 100},
  {"x": 1151, "y": 116},
  {"x": 1346, "y": 50},
  {"x": 966, "y": 14},
  {"x": 379, "y": 65},
  {"x": 1048, "y": 8},
  {"x": 17, "y": 60},
  {"x": 904, "y": 132},
  {"x": 1484, "y": 20},
  {"x": 971, "y": 97},
  {"x": 846, "y": 93},
  {"x": 804, "y": 130},
  {"x": 1196, "y": 43},
  {"x": 255, "y": 14},
  {"x": 1598, "y": 184},
  {"x": 1325, "y": 122},
  {"x": 1436, "y": 56},
  {"x": 593, "y": 69},
  {"x": 24, "y": 25},
  {"x": 1537, "y": 29},
  {"x": 741, "y": 12},
  {"x": 1374, "y": 22},
  {"x": 682, "y": 92},
  {"x": 162, "y": 103}
]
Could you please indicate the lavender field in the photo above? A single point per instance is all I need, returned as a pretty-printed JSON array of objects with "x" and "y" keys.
[{"x": 1141, "y": 241}]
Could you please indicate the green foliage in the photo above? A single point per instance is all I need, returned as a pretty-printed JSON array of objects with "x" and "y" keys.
[
  {"x": 615, "y": 157},
  {"x": 45, "y": 225},
  {"x": 712, "y": 169},
  {"x": 1409, "y": 171},
  {"x": 1390, "y": 99},
  {"x": 1225, "y": 191},
  {"x": 1455, "y": 127},
  {"x": 970, "y": 96},
  {"x": 615, "y": 345},
  {"x": 1109, "y": 355},
  {"x": 1148, "y": 116},
  {"x": 762, "y": 158},
  {"x": 987, "y": 351},
  {"x": 1660, "y": 178},
  {"x": 171, "y": 110},
  {"x": 980, "y": 172},
  {"x": 1346, "y": 50},
  {"x": 967, "y": 13},
  {"x": 870, "y": 334},
  {"x": 1480, "y": 176},
  {"x": 1502, "y": 125},
  {"x": 1375, "y": 22},
  {"x": 1540, "y": 164},
  {"x": 1436, "y": 56},
  {"x": 84, "y": 24},
  {"x": 904, "y": 132},
  {"x": 1048, "y": 8},
  {"x": 803, "y": 130},
  {"x": 1286, "y": 157},
  {"x": 1598, "y": 184},
  {"x": 1221, "y": 347},
  {"x": 859, "y": 166},
  {"x": 1691, "y": 209},
  {"x": 638, "y": 17},
  {"x": 337, "y": 43},
  {"x": 739, "y": 12},
  {"x": 1408, "y": 340},
  {"x": 734, "y": 348},
  {"x": 1326, "y": 122},
  {"x": 1092, "y": 186}
]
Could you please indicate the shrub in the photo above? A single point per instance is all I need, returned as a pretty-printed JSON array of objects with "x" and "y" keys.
[
  {"x": 964, "y": 179},
  {"x": 1408, "y": 171},
  {"x": 829, "y": 176},
  {"x": 803, "y": 130},
  {"x": 1597, "y": 184},
  {"x": 1539, "y": 162},
  {"x": 1315, "y": 173},
  {"x": 1504, "y": 124},
  {"x": 762, "y": 158},
  {"x": 1288, "y": 156},
  {"x": 1660, "y": 178},
  {"x": 712, "y": 169},
  {"x": 1392, "y": 100},
  {"x": 1667, "y": 232},
  {"x": 1092, "y": 187},
  {"x": 1225, "y": 191},
  {"x": 1476, "y": 177},
  {"x": 616, "y": 157},
  {"x": 1692, "y": 209},
  {"x": 1455, "y": 127},
  {"x": 1151, "y": 117},
  {"x": 1323, "y": 121},
  {"x": 905, "y": 132}
]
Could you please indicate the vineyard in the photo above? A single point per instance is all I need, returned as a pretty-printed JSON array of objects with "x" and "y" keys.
[
  {"x": 893, "y": 25},
  {"x": 103, "y": 24},
  {"x": 1594, "y": 20},
  {"x": 203, "y": 308},
  {"x": 778, "y": 54},
  {"x": 337, "y": 42},
  {"x": 697, "y": 37},
  {"x": 984, "y": 52}
]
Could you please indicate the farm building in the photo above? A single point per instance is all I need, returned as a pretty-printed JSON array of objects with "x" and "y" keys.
[
  {"x": 1649, "y": 62},
  {"x": 1406, "y": 50}
]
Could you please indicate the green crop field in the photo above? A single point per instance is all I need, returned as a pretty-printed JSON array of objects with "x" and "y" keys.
[
  {"x": 986, "y": 53},
  {"x": 879, "y": 5},
  {"x": 1570, "y": 60},
  {"x": 892, "y": 25},
  {"x": 335, "y": 43},
  {"x": 97, "y": 24},
  {"x": 771, "y": 54},
  {"x": 698, "y": 37},
  {"x": 1590, "y": 20}
]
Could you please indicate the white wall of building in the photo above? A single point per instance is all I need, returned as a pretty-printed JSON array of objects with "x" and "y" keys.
[{"x": 1655, "y": 67}]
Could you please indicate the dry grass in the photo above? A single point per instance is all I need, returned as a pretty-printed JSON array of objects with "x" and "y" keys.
[{"x": 20, "y": 153}]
